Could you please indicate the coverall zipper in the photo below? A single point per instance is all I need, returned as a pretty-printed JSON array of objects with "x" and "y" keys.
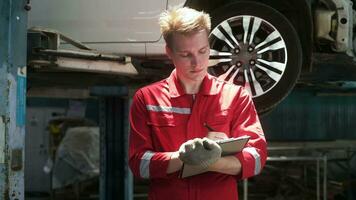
[{"x": 190, "y": 118}]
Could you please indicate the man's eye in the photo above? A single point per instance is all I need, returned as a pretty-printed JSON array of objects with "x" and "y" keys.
[
  {"x": 184, "y": 55},
  {"x": 203, "y": 51}
]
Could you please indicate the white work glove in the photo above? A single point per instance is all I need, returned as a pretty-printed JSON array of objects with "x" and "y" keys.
[{"x": 201, "y": 152}]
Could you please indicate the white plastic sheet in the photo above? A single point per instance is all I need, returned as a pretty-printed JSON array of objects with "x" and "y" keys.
[{"x": 77, "y": 157}]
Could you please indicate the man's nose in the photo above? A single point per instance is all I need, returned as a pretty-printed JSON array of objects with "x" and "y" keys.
[{"x": 194, "y": 60}]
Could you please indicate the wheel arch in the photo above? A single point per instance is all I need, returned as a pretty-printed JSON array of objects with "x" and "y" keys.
[{"x": 298, "y": 12}]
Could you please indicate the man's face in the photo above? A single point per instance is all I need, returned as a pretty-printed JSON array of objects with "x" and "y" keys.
[{"x": 190, "y": 55}]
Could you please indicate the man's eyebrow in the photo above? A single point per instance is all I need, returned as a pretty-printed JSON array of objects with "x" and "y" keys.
[
  {"x": 204, "y": 47},
  {"x": 187, "y": 51},
  {"x": 182, "y": 51}
]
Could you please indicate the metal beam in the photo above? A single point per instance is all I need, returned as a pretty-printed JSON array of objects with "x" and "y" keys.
[{"x": 45, "y": 51}]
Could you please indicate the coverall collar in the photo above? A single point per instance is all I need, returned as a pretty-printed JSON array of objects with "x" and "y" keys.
[{"x": 210, "y": 85}]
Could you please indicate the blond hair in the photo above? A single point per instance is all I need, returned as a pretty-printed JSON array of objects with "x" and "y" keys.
[{"x": 184, "y": 21}]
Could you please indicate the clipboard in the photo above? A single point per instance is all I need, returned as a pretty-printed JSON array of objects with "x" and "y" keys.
[{"x": 229, "y": 146}]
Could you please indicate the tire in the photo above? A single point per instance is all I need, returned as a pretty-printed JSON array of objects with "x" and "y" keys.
[{"x": 244, "y": 59}]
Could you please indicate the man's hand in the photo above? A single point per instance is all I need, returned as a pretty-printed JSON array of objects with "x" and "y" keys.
[{"x": 203, "y": 152}]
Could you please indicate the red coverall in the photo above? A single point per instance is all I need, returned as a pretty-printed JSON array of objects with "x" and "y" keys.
[{"x": 162, "y": 117}]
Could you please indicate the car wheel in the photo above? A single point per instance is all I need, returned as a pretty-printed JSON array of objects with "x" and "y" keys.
[{"x": 255, "y": 46}]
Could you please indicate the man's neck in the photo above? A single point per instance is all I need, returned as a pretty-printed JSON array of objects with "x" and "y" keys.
[{"x": 191, "y": 87}]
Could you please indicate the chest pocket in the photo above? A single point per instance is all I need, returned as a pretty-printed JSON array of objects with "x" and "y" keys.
[
  {"x": 219, "y": 121},
  {"x": 167, "y": 131},
  {"x": 162, "y": 120},
  {"x": 167, "y": 120}
]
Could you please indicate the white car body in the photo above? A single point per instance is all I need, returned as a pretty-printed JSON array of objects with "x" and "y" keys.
[{"x": 116, "y": 26}]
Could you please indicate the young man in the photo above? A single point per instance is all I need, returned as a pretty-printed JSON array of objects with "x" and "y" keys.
[{"x": 168, "y": 120}]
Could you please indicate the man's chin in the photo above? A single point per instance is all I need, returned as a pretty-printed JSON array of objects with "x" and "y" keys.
[{"x": 198, "y": 78}]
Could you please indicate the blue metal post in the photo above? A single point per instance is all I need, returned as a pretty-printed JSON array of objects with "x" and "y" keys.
[
  {"x": 13, "y": 25},
  {"x": 116, "y": 181}
]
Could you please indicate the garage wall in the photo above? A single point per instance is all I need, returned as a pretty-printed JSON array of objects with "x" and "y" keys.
[
  {"x": 308, "y": 114},
  {"x": 39, "y": 112}
]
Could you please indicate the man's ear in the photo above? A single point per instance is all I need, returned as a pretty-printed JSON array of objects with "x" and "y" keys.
[{"x": 169, "y": 52}]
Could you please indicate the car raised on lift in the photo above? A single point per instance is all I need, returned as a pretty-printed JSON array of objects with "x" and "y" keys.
[{"x": 264, "y": 45}]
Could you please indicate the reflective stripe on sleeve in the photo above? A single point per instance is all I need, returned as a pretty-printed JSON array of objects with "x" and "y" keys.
[
  {"x": 145, "y": 164},
  {"x": 168, "y": 109},
  {"x": 257, "y": 157}
]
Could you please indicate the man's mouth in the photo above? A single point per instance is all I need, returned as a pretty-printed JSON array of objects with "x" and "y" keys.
[{"x": 197, "y": 70}]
